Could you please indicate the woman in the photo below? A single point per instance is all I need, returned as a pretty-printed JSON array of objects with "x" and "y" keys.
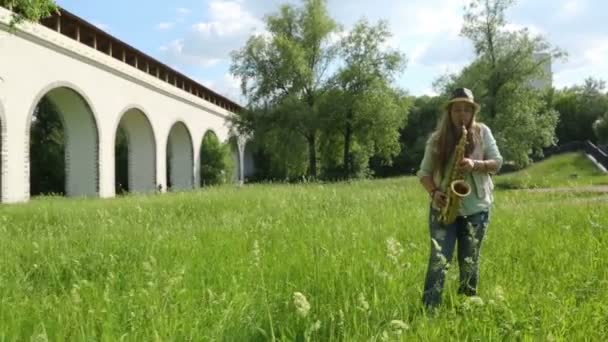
[{"x": 481, "y": 159}]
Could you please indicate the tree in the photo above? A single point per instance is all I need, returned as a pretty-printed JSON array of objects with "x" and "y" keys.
[
  {"x": 579, "y": 107},
  {"x": 502, "y": 75},
  {"x": 212, "y": 160},
  {"x": 286, "y": 70},
  {"x": 47, "y": 150},
  {"x": 29, "y": 10},
  {"x": 421, "y": 122},
  {"x": 121, "y": 164},
  {"x": 600, "y": 128},
  {"x": 365, "y": 109}
]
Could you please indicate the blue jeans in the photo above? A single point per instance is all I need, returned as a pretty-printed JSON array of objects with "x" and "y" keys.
[{"x": 468, "y": 231}]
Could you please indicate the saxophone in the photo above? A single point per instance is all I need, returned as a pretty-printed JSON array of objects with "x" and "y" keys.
[{"x": 458, "y": 188}]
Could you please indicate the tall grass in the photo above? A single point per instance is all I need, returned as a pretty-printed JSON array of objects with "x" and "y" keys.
[
  {"x": 565, "y": 170},
  {"x": 226, "y": 264}
]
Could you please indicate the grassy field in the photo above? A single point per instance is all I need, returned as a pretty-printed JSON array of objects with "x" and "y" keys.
[
  {"x": 568, "y": 169},
  {"x": 235, "y": 264}
]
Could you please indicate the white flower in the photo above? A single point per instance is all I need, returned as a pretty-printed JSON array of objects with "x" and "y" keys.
[
  {"x": 363, "y": 304},
  {"x": 474, "y": 301},
  {"x": 256, "y": 253},
  {"x": 399, "y": 325},
  {"x": 394, "y": 249},
  {"x": 499, "y": 293},
  {"x": 301, "y": 304}
]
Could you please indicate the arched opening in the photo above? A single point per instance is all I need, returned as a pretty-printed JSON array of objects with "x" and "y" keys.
[
  {"x": 135, "y": 154},
  {"x": 121, "y": 162},
  {"x": 214, "y": 161},
  {"x": 248, "y": 162},
  {"x": 246, "y": 171},
  {"x": 180, "y": 161},
  {"x": 63, "y": 139}
]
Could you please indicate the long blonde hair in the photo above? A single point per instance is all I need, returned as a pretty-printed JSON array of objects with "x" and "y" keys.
[{"x": 446, "y": 136}]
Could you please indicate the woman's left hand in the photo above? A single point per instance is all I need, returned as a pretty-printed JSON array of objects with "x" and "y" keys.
[{"x": 466, "y": 164}]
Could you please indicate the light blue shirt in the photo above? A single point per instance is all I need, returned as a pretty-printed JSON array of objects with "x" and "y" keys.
[{"x": 481, "y": 196}]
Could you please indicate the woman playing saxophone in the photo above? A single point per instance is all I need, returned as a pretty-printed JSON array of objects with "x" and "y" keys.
[{"x": 462, "y": 152}]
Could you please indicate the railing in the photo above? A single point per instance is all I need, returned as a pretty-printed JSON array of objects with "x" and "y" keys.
[{"x": 74, "y": 27}]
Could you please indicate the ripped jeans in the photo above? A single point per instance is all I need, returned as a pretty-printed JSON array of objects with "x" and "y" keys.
[{"x": 468, "y": 231}]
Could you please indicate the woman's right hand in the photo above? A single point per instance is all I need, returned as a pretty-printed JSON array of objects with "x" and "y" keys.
[{"x": 440, "y": 199}]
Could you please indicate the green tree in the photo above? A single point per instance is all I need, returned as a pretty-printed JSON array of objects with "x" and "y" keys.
[
  {"x": 229, "y": 156},
  {"x": 286, "y": 70},
  {"x": 47, "y": 151},
  {"x": 579, "y": 107},
  {"x": 365, "y": 109},
  {"x": 121, "y": 164},
  {"x": 29, "y": 10},
  {"x": 502, "y": 75},
  {"x": 212, "y": 160},
  {"x": 421, "y": 122},
  {"x": 600, "y": 128}
]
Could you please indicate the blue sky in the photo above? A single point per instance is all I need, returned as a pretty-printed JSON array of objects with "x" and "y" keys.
[{"x": 196, "y": 37}]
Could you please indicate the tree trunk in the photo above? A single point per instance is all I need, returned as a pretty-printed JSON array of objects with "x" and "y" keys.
[
  {"x": 312, "y": 155},
  {"x": 348, "y": 133}
]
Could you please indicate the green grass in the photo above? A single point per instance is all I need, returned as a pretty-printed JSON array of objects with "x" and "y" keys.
[
  {"x": 223, "y": 264},
  {"x": 565, "y": 170}
]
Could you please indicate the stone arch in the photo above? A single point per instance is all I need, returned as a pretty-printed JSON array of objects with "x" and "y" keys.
[
  {"x": 141, "y": 147},
  {"x": 81, "y": 137},
  {"x": 180, "y": 158}
]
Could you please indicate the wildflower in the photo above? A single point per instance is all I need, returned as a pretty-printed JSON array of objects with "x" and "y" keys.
[
  {"x": 473, "y": 301},
  {"x": 301, "y": 304},
  {"x": 256, "y": 253},
  {"x": 394, "y": 249},
  {"x": 75, "y": 292},
  {"x": 399, "y": 325},
  {"x": 363, "y": 304},
  {"x": 499, "y": 293}
]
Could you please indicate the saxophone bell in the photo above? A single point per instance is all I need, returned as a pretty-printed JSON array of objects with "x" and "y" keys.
[{"x": 460, "y": 188}]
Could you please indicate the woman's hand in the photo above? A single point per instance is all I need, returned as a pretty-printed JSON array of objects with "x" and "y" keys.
[
  {"x": 440, "y": 199},
  {"x": 466, "y": 164}
]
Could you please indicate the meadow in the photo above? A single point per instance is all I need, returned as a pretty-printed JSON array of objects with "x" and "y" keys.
[{"x": 319, "y": 262}]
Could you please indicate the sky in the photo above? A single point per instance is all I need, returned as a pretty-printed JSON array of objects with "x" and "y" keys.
[{"x": 196, "y": 37}]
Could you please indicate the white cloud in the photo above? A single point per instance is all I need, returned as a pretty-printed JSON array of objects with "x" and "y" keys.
[
  {"x": 211, "y": 41},
  {"x": 428, "y": 32},
  {"x": 592, "y": 61},
  {"x": 227, "y": 85},
  {"x": 165, "y": 26},
  {"x": 598, "y": 52},
  {"x": 183, "y": 11},
  {"x": 571, "y": 9}
]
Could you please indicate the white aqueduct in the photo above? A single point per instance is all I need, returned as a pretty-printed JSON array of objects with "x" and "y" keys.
[{"x": 99, "y": 84}]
